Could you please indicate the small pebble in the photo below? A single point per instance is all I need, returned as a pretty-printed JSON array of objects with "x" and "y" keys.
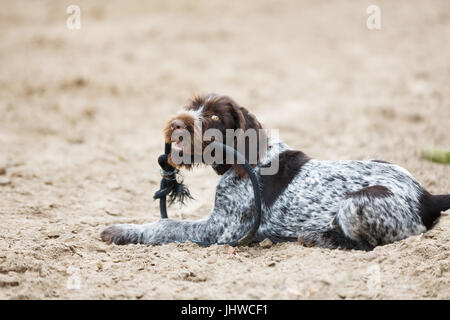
[
  {"x": 293, "y": 292},
  {"x": 113, "y": 186},
  {"x": 112, "y": 211},
  {"x": 8, "y": 281},
  {"x": 100, "y": 204},
  {"x": 266, "y": 243},
  {"x": 140, "y": 295},
  {"x": 53, "y": 234},
  {"x": 2, "y": 171},
  {"x": 211, "y": 260},
  {"x": 4, "y": 181},
  {"x": 271, "y": 264},
  {"x": 371, "y": 256}
]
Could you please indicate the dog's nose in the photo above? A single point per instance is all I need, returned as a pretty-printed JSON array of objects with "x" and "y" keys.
[{"x": 177, "y": 124}]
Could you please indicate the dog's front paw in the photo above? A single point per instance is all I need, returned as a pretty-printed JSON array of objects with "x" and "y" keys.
[{"x": 121, "y": 234}]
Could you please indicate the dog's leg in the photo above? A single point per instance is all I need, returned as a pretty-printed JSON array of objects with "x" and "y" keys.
[
  {"x": 160, "y": 232},
  {"x": 225, "y": 225},
  {"x": 231, "y": 219},
  {"x": 376, "y": 216}
]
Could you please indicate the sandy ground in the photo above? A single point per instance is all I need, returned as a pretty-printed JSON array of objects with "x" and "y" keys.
[{"x": 81, "y": 114}]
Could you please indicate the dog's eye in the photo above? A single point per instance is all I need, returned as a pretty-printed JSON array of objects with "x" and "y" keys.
[{"x": 215, "y": 117}]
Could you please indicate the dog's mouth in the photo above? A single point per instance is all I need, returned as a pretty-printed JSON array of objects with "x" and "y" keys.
[
  {"x": 182, "y": 152},
  {"x": 179, "y": 147},
  {"x": 189, "y": 145}
]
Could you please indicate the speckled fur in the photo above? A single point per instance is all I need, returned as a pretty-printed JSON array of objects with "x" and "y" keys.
[{"x": 322, "y": 206}]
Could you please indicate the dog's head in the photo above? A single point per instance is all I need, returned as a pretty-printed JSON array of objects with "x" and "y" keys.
[{"x": 214, "y": 117}]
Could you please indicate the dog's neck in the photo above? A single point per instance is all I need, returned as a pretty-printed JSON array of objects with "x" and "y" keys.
[{"x": 275, "y": 147}]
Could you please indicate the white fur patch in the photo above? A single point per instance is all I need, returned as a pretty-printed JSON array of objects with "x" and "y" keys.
[{"x": 196, "y": 114}]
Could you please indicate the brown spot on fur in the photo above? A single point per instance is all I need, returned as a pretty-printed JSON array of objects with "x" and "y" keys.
[
  {"x": 290, "y": 163},
  {"x": 371, "y": 192}
]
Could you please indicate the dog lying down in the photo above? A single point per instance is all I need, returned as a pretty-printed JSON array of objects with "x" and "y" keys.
[{"x": 333, "y": 204}]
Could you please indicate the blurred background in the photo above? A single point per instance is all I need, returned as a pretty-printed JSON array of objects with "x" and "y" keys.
[{"x": 82, "y": 110}]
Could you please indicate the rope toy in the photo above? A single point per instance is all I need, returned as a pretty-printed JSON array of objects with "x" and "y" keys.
[
  {"x": 170, "y": 186},
  {"x": 177, "y": 192}
]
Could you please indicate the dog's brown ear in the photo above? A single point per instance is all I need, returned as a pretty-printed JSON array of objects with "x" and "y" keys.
[
  {"x": 245, "y": 121},
  {"x": 238, "y": 116},
  {"x": 240, "y": 124}
]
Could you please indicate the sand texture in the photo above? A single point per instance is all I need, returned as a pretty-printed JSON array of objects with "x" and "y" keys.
[{"x": 81, "y": 119}]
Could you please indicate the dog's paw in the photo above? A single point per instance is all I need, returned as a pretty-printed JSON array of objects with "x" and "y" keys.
[
  {"x": 306, "y": 242},
  {"x": 121, "y": 234}
]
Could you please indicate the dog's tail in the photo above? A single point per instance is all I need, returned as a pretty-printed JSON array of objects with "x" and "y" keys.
[
  {"x": 442, "y": 201},
  {"x": 432, "y": 206}
]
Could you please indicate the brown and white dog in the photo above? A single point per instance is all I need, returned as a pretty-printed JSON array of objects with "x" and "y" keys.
[{"x": 348, "y": 204}]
